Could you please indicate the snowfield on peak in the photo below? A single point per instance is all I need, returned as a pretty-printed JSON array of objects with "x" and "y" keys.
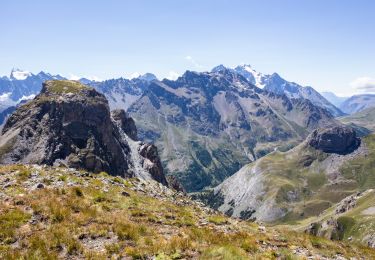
[{"x": 17, "y": 74}]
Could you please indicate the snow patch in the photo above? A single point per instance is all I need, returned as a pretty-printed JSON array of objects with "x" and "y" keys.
[{"x": 18, "y": 74}]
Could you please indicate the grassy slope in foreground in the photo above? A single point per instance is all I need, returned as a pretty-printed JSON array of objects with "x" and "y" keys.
[
  {"x": 358, "y": 223},
  {"x": 61, "y": 213}
]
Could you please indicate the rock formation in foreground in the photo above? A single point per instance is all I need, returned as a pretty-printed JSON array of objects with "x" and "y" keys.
[{"x": 70, "y": 124}]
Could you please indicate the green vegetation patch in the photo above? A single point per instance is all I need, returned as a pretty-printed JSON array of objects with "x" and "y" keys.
[
  {"x": 65, "y": 86},
  {"x": 362, "y": 169}
]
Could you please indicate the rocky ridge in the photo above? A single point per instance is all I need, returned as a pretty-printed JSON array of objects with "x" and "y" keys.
[{"x": 70, "y": 124}]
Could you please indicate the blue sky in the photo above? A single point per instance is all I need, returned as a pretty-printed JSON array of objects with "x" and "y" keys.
[{"x": 328, "y": 44}]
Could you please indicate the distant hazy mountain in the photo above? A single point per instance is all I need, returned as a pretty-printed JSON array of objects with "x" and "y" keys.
[
  {"x": 358, "y": 103},
  {"x": 207, "y": 125},
  {"x": 364, "y": 118},
  {"x": 331, "y": 97},
  {"x": 121, "y": 92},
  {"x": 23, "y": 85},
  {"x": 278, "y": 85}
]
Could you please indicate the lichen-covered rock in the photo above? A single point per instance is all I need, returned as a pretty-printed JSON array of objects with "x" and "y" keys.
[
  {"x": 70, "y": 124},
  {"x": 338, "y": 139}
]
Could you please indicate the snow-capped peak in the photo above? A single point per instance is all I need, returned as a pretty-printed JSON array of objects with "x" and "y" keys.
[
  {"x": 18, "y": 74},
  {"x": 256, "y": 78}
]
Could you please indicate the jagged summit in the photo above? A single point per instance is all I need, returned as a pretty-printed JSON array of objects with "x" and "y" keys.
[
  {"x": 254, "y": 77},
  {"x": 219, "y": 68},
  {"x": 17, "y": 74},
  {"x": 70, "y": 124}
]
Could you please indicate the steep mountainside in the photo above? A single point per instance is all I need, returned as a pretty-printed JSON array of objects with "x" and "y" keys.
[
  {"x": 364, "y": 118},
  {"x": 352, "y": 219},
  {"x": 358, "y": 103},
  {"x": 207, "y": 125},
  {"x": 60, "y": 213},
  {"x": 70, "y": 124},
  {"x": 278, "y": 85},
  {"x": 300, "y": 184},
  {"x": 324, "y": 192}
]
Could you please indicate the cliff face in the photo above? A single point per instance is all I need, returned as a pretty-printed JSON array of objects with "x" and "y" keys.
[
  {"x": 70, "y": 124},
  {"x": 340, "y": 140}
]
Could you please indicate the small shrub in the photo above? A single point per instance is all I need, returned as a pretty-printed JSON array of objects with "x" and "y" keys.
[
  {"x": 24, "y": 173},
  {"x": 218, "y": 220},
  {"x": 129, "y": 231},
  {"x": 249, "y": 245},
  {"x": 78, "y": 192},
  {"x": 112, "y": 248},
  {"x": 10, "y": 220},
  {"x": 62, "y": 178}
]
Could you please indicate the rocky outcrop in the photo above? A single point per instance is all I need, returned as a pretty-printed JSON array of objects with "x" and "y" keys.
[
  {"x": 150, "y": 152},
  {"x": 338, "y": 139},
  {"x": 127, "y": 123},
  {"x": 70, "y": 124}
]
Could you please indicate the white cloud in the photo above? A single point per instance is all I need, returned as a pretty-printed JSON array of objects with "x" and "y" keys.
[
  {"x": 172, "y": 75},
  {"x": 364, "y": 84},
  {"x": 5, "y": 97},
  {"x": 94, "y": 78},
  {"x": 192, "y": 61},
  {"x": 73, "y": 77},
  {"x": 134, "y": 75}
]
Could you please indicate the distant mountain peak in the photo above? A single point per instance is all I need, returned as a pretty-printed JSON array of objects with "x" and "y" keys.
[
  {"x": 148, "y": 77},
  {"x": 17, "y": 74},
  {"x": 254, "y": 77},
  {"x": 219, "y": 68}
]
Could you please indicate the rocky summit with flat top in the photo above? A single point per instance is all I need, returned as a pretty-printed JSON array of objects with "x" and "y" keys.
[
  {"x": 70, "y": 124},
  {"x": 338, "y": 139}
]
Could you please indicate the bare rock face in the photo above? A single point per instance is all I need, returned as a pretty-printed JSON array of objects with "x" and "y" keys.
[
  {"x": 127, "y": 123},
  {"x": 150, "y": 152},
  {"x": 338, "y": 139},
  {"x": 70, "y": 124}
]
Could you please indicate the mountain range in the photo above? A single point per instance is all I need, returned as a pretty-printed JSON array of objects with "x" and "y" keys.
[
  {"x": 275, "y": 83},
  {"x": 206, "y": 125},
  {"x": 248, "y": 152}
]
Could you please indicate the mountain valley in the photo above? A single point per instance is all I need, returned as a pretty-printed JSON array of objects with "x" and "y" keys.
[{"x": 272, "y": 166}]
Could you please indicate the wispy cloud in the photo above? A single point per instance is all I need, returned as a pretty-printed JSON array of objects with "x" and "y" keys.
[
  {"x": 75, "y": 77},
  {"x": 172, "y": 75},
  {"x": 364, "y": 84},
  {"x": 94, "y": 78},
  {"x": 194, "y": 62}
]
